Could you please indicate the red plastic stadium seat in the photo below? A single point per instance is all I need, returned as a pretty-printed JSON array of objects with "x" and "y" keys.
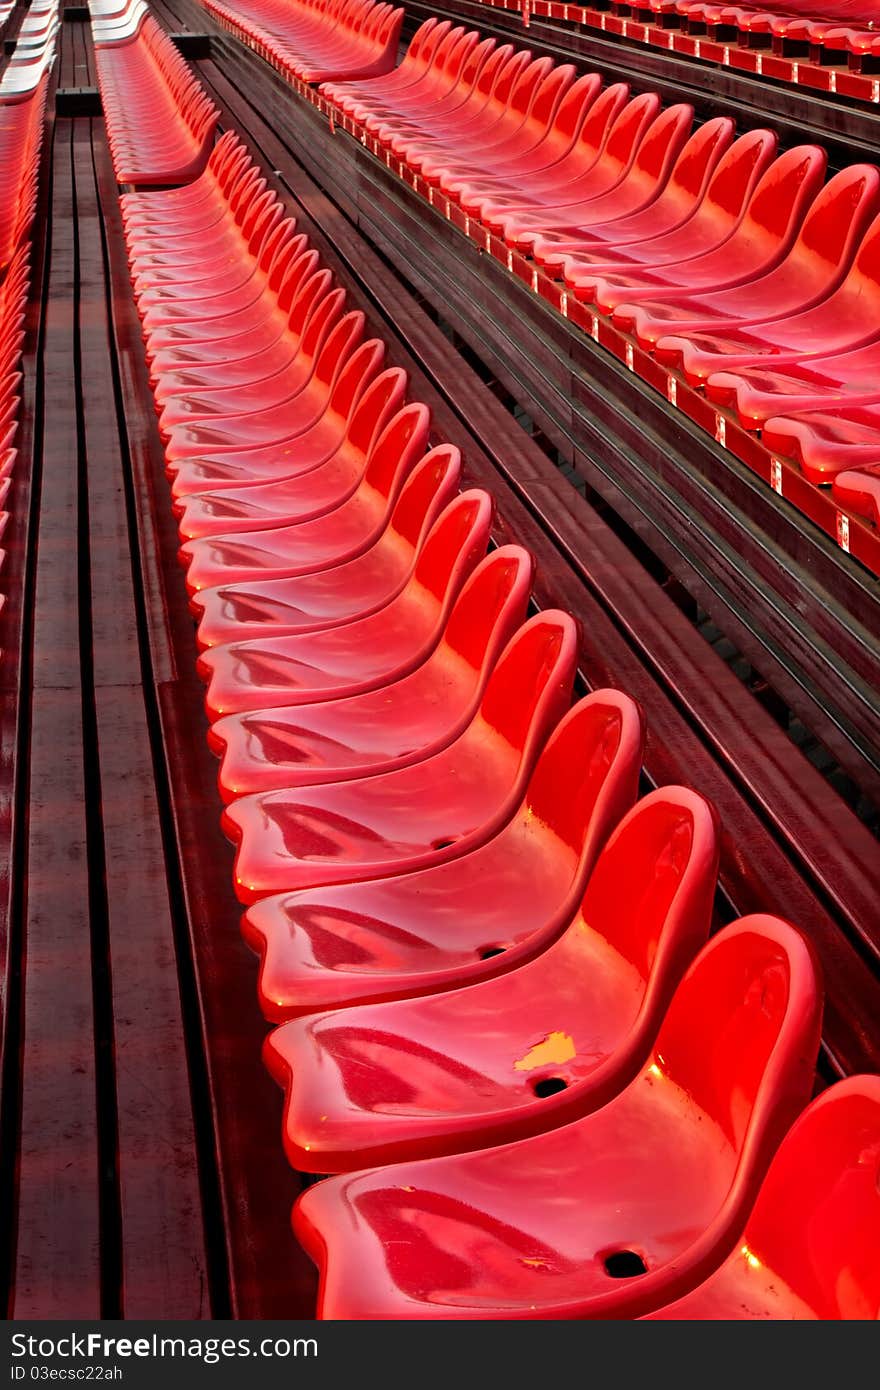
[
  {"x": 338, "y": 444},
  {"x": 555, "y": 121},
  {"x": 673, "y": 205},
  {"x": 277, "y": 367},
  {"x": 295, "y": 400},
  {"x": 457, "y": 174},
  {"x": 761, "y": 391},
  {"x": 226, "y": 331},
  {"x": 334, "y": 39},
  {"x": 809, "y": 1249},
  {"x": 758, "y": 242},
  {"x": 616, "y": 1213},
  {"x": 206, "y": 309},
  {"x": 859, "y": 490},
  {"x": 192, "y": 275},
  {"x": 221, "y": 253},
  {"x": 13, "y": 305},
  {"x": 496, "y": 108},
  {"x": 218, "y": 268},
  {"x": 465, "y": 58},
  {"x": 797, "y": 22},
  {"x": 709, "y": 225},
  {"x": 23, "y": 89},
  {"x": 179, "y": 211},
  {"x": 481, "y": 128},
  {"x": 21, "y": 129},
  {"x": 524, "y": 1052},
  {"x": 329, "y": 598},
  {"x": 366, "y": 483},
  {"x": 826, "y": 28},
  {"x": 236, "y": 348},
  {"x": 363, "y": 654},
  {"x": 533, "y": 105},
  {"x": 863, "y": 44},
  {"x": 520, "y": 226},
  {"x": 321, "y": 342},
  {"x": 440, "y": 86},
  {"x": 438, "y": 928},
  {"x": 827, "y": 442},
  {"x": 829, "y": 238},
  {"x": 845, "y": 318},
  {"x": 488, "y": 136},
  {"x": 302, "y": 287},
  {"x": 118, "y": 24},
  {"x": 416, "y": 62},
  {"x": 425, "y": 813},
  {"x": 160, "y": 123},
  {"x": 618, "y": 188},
  {"x": 397, "y": 724},
  {"x": 300, "y": 494}
]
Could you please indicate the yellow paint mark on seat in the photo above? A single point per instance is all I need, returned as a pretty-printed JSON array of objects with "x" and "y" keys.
[{"x": 556, "y": 1048}]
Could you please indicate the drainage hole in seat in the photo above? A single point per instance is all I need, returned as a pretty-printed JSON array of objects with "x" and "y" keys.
[
  {"x": 489, "y": 951},
  {"x": 442, "y": 844},
  {"x": 625, "y": 1264},
  {"x": 548, "y": 1086}
]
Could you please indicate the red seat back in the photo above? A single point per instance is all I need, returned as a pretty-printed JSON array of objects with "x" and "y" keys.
[
  {"x": 653, "y": 886},
  {"x": 738, "y": 174},
  {"x": 700, "y": 157},
  {"x": 780, "y": 201},
  {"x": 498, "y": 588},
  {"x": 816, "y": 1222},
  {"x": 742, "y": 1033},
  {"x": 456, "y": 544}
]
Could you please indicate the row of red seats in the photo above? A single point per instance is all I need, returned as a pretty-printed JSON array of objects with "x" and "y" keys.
[
  {"x": 734, "y": 264},
  {"x": 21, "y": 132},
  {"x": 465, "y": 949},
  {"x": 842, "y": 33},
  {"x": 23, "y": 89},
  {"x": 14, "y": 286},
  {"x": 160, "y": 122},
  {"x": 849, "y": 26},
  {"x": 33, "y": 55},
  {"x": 317, "y": 40}
]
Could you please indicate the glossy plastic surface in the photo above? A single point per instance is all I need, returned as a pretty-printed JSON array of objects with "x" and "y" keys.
[
  {"x": 160, "y": 122},
  {"x": 363, "y": 654},
  {"x": 328, "y": 598},
  {"x": 674, "y": 204},
  {"x": 397, "y": 724},
  {"x": 809, "y": 1249},
  {"x": 654, "y": 244},
  {"x": 828, "y": 442},
  {"x": 661, "y": 1177},
  {"x": 846, "y": 318},
  {"x": 756, "y": 245},
  {"x": 361, "y": 405},
  {"x": 438, "y": 928},
  {"x": 823, "y": 251},
  {"x": 464, "y": 793},
  {"x": 859, "y": 490},
  {"x": 528, "y": 1051},
  {"x": 761, "y": 391},
  {"x": 341, "y": 513},
  {"x": 321, "y": 42}
]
